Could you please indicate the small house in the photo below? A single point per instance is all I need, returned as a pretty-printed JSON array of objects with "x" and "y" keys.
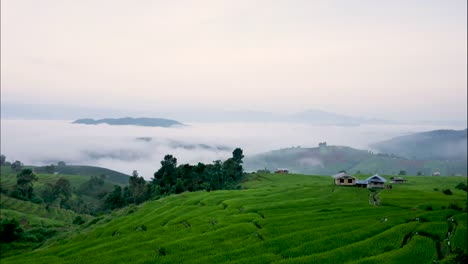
[
  {"x": 436, "y": 173},
  {"x": 345, "y": 179},
  {"x": 361, "y": 183},
  {"x": 397, "y": 180},
  {"x": 375, "y": 181},
  {"x": 282, "y": 171}
]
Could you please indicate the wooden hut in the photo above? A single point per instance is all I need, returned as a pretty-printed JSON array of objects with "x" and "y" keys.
[
  {"x": 344, "y": 179},
  {"x": 397, "y": 180},
  {"x": 375, "y": 181}
]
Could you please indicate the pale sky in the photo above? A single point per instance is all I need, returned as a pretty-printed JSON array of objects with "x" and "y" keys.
[{"x": 388, "y": 59}]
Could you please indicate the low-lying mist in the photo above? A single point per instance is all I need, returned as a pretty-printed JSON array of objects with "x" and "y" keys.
[{"x": 125, "y": 148}]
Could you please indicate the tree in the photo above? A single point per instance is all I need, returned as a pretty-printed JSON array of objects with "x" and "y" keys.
[
  {"x": 50, "y": 169},
  {"x": 237, "y": 155},
  {"x": 402, "y": 172},
  {"x": 165, "y": 176},
  {"x": 62, "y": 190},
  {"x": 2, "y": 159},
  {"x": 136, "y": 189},
  {"x": 61, "y": 164},
  {"x": 179, "y": 186},
  {"x": 24, "y": 184},
  {"x": 114, "y": 199},
  {"x": 48, "y": 195},
  {"x": 16, "y": 166}
]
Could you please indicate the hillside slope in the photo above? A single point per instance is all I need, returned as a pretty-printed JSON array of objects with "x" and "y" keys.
[
  {"x": 330, "y": 160},
  {"x": 438, "y": 145},
  {"x": 275, "y": 219}
]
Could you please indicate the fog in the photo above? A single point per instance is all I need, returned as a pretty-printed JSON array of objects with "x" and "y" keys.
[{"x": 125, "y": 148}]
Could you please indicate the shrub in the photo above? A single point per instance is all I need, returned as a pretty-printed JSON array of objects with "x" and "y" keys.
[
  {"x": 455, "y": 207},
  {"x": 459, "y": 256},
  {"x": 429, "y": 208},
  {"x": 78, "y": 220},
  {"x": 447, "y": 192},
  {"x": 10, "y": 230},
  {"x": 461, "y": 186},
  {"x": 39, "y": 234}
]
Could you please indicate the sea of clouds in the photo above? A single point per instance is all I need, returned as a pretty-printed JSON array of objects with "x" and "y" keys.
[{"x": 128, "y": 148}]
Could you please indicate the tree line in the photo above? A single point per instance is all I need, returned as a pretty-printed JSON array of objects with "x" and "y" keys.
[{"x": 171, "y": 178}]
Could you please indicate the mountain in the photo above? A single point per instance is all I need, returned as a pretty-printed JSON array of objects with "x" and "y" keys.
[
  {"x": 332, "y": 159},
  {"x": 437, "y": 144},
  {"x": 141, "y": 121}
]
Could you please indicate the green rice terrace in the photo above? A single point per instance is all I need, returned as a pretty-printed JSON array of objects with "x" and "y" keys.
[{"x": 273, "y": 218}]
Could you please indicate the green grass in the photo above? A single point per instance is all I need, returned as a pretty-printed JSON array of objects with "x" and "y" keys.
[{"x": 275, "y": 218}]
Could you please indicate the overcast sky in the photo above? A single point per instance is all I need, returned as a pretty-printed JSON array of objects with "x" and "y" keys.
[{"x": 389, "y": 59}]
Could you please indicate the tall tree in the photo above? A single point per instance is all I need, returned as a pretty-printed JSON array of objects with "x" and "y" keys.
[
  {"x": 165, "y": 177},
  {"x": 136, "y": 188},
  {"x": 114, "y": 199},
  {"x": 2, "y": 159},
  {"x": 24, "y": 184}
]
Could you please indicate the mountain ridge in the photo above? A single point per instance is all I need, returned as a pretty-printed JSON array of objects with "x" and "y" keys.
[{"x": 137, "y": 121}]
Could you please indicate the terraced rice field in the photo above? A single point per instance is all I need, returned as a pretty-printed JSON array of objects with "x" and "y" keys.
[
  {"x": 8, "y": 179},
  {"x": 36, "y": 215},
  {"x": 276, "y": 219}
]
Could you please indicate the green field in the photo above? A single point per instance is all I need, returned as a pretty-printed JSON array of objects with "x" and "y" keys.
[{"x": 275, "y": 218}]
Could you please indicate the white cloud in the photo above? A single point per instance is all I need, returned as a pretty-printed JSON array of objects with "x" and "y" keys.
[{"x": 38, "y": 142}]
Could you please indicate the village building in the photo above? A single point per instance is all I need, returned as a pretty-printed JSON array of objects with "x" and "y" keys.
[
  {"x": 345, "y": 179},
  {"x": 375, "y": 181},
  {"x": 436, "y": 173},
  {"x": 282, "y": 171},
  {"x": 361, "y": 183},
  {"x": 397, "y": 180}
]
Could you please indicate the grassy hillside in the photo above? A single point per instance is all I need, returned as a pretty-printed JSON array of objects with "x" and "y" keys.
[
  {"x": 276, "y": 219},
  {"x": 77, "y": 175},
  {"x": 332, "y": 159},
  {"x": 111, "y": 175},
  {"x": 87, "y": 194},
  {"x": 38, "y": 221}
]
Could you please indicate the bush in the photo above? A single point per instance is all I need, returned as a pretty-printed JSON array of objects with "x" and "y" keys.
[
  {"x": 447, "y": 192},
  {"x": 78, "y": 220},
  {"x": 162, "y": 251},
  {"x": 461, "y": 186},
  {"x": 429, "y": 208},
  {"x": 459, "y": 256},
  {"x": 39, "y": 234},
  {"x": 455, "y": 207},
  {"x": 10, "y": 230}
]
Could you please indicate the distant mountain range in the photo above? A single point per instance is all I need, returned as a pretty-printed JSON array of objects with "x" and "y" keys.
[
  {"x": 332, "y": 159},
  {"x": 11, "y": 110},
  {"x": 141, "y": 121},
  {"x": 316, "y": 117},
  {"x": 437, "y": 145}
]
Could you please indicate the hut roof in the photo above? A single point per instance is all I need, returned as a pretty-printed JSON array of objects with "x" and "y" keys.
[
  {"x": 342, "y": 175},
  {"x": 398, "y": 179},
  {"x": 376, "y": 178},
  {"x": 361, "y": 181}
]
